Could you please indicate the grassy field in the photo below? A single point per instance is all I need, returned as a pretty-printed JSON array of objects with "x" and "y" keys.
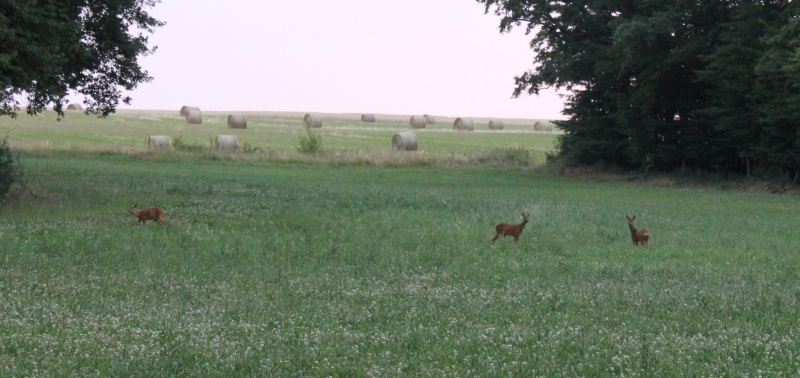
[
  {"x": 272, "y": 134},
  {"x": 272, "y": 267}
]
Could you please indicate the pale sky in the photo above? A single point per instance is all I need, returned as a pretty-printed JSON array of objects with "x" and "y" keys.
[{"x": 440, "y": 57}]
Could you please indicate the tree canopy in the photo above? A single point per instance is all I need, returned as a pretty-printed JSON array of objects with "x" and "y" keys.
[
  {"x": 53, "y": 47},
  {"x": 706, "y": 85}
]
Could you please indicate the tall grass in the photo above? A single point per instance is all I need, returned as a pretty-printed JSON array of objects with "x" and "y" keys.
[{"x": 283, "y": 269}]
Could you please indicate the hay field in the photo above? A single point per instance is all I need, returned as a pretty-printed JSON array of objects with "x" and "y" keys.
[{"x": 273, "y": 133}]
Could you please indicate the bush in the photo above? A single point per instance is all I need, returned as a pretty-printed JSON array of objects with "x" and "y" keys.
[
  {"x": 311, "y": 143},
  {"x": 179, "y": 145},
  {"x": 10, "y": 169},
  {"x": 250, "y": 149}
]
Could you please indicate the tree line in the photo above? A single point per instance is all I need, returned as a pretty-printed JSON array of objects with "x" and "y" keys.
[{"x": 669, "y": 85}]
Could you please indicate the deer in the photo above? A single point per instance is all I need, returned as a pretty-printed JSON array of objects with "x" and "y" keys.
[
  {"x": 638, "y": 236},
  {"x": 150, "y": 213},
  {"x": 505, "y": 229}
]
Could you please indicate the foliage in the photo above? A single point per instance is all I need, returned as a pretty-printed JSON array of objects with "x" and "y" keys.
[
  {"x": 677, "y": 84},
  {"x": 250, "y": 149},
  {"x": 777, "y": 91},
  {"x": 311, "y": 142},
  {"x": 180, "y": 145},
  {"x": 11, "y": 171},
  {"x": 52, "y": 47}
]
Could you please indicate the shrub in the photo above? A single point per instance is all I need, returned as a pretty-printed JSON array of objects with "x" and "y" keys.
[
  {"x": 179, "y": 145},
  {"x": 249, "y": 148},
  {"x": 10, "y": 169},
  {"x": 311, "y": 143}
]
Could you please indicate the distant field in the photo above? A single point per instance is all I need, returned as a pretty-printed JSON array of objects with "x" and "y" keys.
[
  {"x": 301, "y": 268},
  {"x": 276, "y": 132}
]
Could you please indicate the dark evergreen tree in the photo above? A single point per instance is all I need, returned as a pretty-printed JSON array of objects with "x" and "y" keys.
[
  {"x": 730, "y": 78},
  {"x": 777, "y": 96}
]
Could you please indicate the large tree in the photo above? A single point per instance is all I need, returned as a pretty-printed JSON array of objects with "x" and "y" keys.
[
  {"x": 680, "y": 83},
  {"x": 49, "y": 48}
]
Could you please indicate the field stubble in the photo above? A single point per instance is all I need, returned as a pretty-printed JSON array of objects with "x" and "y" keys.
[{"x": 275, "y": 136}]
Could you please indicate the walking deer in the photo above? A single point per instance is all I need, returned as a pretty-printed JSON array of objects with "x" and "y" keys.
[
  {"x": 638, "y": 236},
  {"x": 150, "y": 213},
  {"x": 505, "y": 229}
]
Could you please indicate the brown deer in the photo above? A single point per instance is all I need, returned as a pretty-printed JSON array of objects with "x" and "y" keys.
[
  {"x": 505, "y": 229},
  {"x": 150, "y": 213},
  {"x": 638, "y": 236}
]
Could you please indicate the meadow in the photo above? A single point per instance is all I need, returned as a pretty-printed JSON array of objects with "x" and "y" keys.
[{"x": 274, "y": 263}]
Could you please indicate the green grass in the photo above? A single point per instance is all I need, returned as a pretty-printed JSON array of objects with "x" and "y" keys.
[
  {"x": 275, "y": 263},
  {"x": 280, "y": 269}
]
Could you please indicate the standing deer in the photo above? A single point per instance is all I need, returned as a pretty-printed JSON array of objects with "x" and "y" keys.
[
  {"x": 638, "y": 236},
  {"x": 150, "y": 213},
  {"x": 505, "y": 229}
]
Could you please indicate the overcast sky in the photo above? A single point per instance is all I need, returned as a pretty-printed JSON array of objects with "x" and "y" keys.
[{"x": 441, "y": 57}]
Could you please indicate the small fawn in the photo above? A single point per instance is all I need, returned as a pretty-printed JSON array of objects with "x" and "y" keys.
[
  {"x": 505, "y": 229},
  {"x": 638, "y": 236},
  {"x": 150, "y": 213}
]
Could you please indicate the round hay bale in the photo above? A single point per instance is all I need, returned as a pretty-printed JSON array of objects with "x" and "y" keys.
[
  {"x": 194, "y": 117},
  {"x": 159, "y": 142},
  {"x": 368, "y": 118},
  {"x": 75, "y": 107},
  {"x": 463, "y": 124},
  {"x": 237, "y": 121},
  {"x": 185, "y": 110},
  {"x": 312, "y": 120},
  {"x": 429, "y": 119},
  {"x": 418, "y": 122},
  {"x": 544, "y": 126},
  {"x": 226, "y": 143},
  {"x": 404, "y": 141},
  {"x": 496, "y": 125}
]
